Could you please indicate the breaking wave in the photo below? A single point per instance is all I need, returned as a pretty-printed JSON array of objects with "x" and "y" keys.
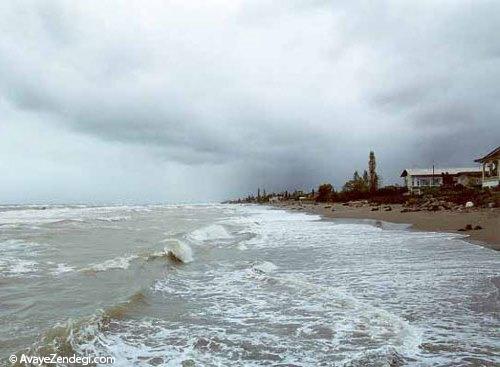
[
  {"x": 209, "y": 233},
  {"x": 277, "y": 318},
  {"x": 175, "y": 250},
  {"x": 265, "y": 267},
  {"x": 62, "y": 269},
  {"x": 18, "y": 258},
  {"x": 113, "y": 219},
  {"x": 15, "y": 267},
  {"x": 85, "y": 336},
  {"x": 179, "y": 251},
  {"x": 121, "y": 262}
]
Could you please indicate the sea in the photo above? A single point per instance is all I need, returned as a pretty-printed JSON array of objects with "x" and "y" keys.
[{"x": 241, "y": 285}]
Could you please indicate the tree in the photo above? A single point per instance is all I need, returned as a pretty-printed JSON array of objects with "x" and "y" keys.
[
  {"x": 324, "y": 192},
  {"x": 366, "y": 180},
  {"x": 372, "y": 167},
  {"x": 357, "y": 184},
  {"x": 355, "y": 176}
]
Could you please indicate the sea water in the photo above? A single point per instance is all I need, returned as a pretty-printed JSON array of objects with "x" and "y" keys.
[{"x": 228, "y": 285}]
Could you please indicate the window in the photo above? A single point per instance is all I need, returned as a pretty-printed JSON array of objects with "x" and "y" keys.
[{"x": 424, "y": 182}]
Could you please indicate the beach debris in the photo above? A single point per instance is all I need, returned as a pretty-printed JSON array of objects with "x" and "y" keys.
[
  {"x": 469, "y": 204},
  {"x": 357, "y": 203},
  {"x": 478, "y": 227},
  {"x": 388, "y": 208},
  {"x": 375, "y": 209},
  {"x": 430, "y": 203}
]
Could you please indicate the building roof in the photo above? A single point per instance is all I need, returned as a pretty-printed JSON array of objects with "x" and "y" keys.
[
  {"x": 493, "y": 153},
  {"x": 439, "y": 171}
]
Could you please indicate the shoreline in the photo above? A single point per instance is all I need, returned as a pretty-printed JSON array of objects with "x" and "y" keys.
[{"x": 440, "y": 221}]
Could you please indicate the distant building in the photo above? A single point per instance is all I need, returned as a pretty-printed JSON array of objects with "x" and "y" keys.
[
  {"x": 490, "y": 171},
  {"x": 419, "y": 178}
]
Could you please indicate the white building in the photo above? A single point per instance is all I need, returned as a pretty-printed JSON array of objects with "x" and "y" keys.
[
  {"x": 419, "y": 178},
  {"x": 490, "y": 170}
]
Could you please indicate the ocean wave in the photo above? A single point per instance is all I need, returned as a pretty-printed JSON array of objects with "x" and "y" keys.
[
  {"x": 17, "y": 267},
  {"x": 135, "y": 302},
  {"x": 242, "y": 247},
  {"x": 66, "y": 214},
  {"x": 264, "y": 267},
  {"x": 303, "y": 323},
  {"x": 85, "y": 336},
  {"x": 121, "y": 262},
  {"x": 209, "y": 233},
  {"x": 175, "y": 250},
  {"x": 179, "y": 251},
  {"x": 19, "y": 257},
  {"x": 62, "y": 269},
  {"x": 113, "y": 219}
]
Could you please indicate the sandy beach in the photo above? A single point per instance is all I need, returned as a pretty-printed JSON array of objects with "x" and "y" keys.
[{"x": 440, "y": 221}]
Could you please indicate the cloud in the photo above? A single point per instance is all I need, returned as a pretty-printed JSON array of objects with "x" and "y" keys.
[{"x": 270, "y": 93}]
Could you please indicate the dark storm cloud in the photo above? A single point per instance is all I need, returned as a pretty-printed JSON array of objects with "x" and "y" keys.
[{"x": 270, "y": 93}]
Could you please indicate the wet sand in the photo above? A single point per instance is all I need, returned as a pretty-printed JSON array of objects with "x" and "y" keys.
[{"x": 440, "y": 221}]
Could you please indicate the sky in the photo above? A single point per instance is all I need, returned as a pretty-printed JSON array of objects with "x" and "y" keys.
[{"x": 194, "y": 101}]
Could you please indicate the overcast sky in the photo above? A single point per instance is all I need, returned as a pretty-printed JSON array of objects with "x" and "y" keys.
[{"x": 168, "y": 101}]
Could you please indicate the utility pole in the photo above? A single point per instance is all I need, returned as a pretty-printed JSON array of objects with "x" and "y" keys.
[{"x": 432, "y": 183}]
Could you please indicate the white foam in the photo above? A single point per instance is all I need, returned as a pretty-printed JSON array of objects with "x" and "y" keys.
[
  {"x": 242, "y": 247},
  {"x": 64, "y": 215},
  {"x": 264, "y": 267},
  {"x": 180, "y": 251},
  {"x": 347, "y": 294},
  {"x": 62, "y": 268},
  {"x": 209, "y": 233},
  {"x": 18, "y": 257},
  {"x": 117, "y": 218},
  {"x": 22, "y": 267},
  {"x": 122, "y": 262}
]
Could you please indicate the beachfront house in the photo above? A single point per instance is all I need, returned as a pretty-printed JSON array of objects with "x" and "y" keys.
[
  {"x": 490, "y": 171},
  {"x": 416, "y": 179}
]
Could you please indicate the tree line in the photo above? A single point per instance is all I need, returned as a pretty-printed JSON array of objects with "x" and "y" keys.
[{"x": 365, "y": 186}]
